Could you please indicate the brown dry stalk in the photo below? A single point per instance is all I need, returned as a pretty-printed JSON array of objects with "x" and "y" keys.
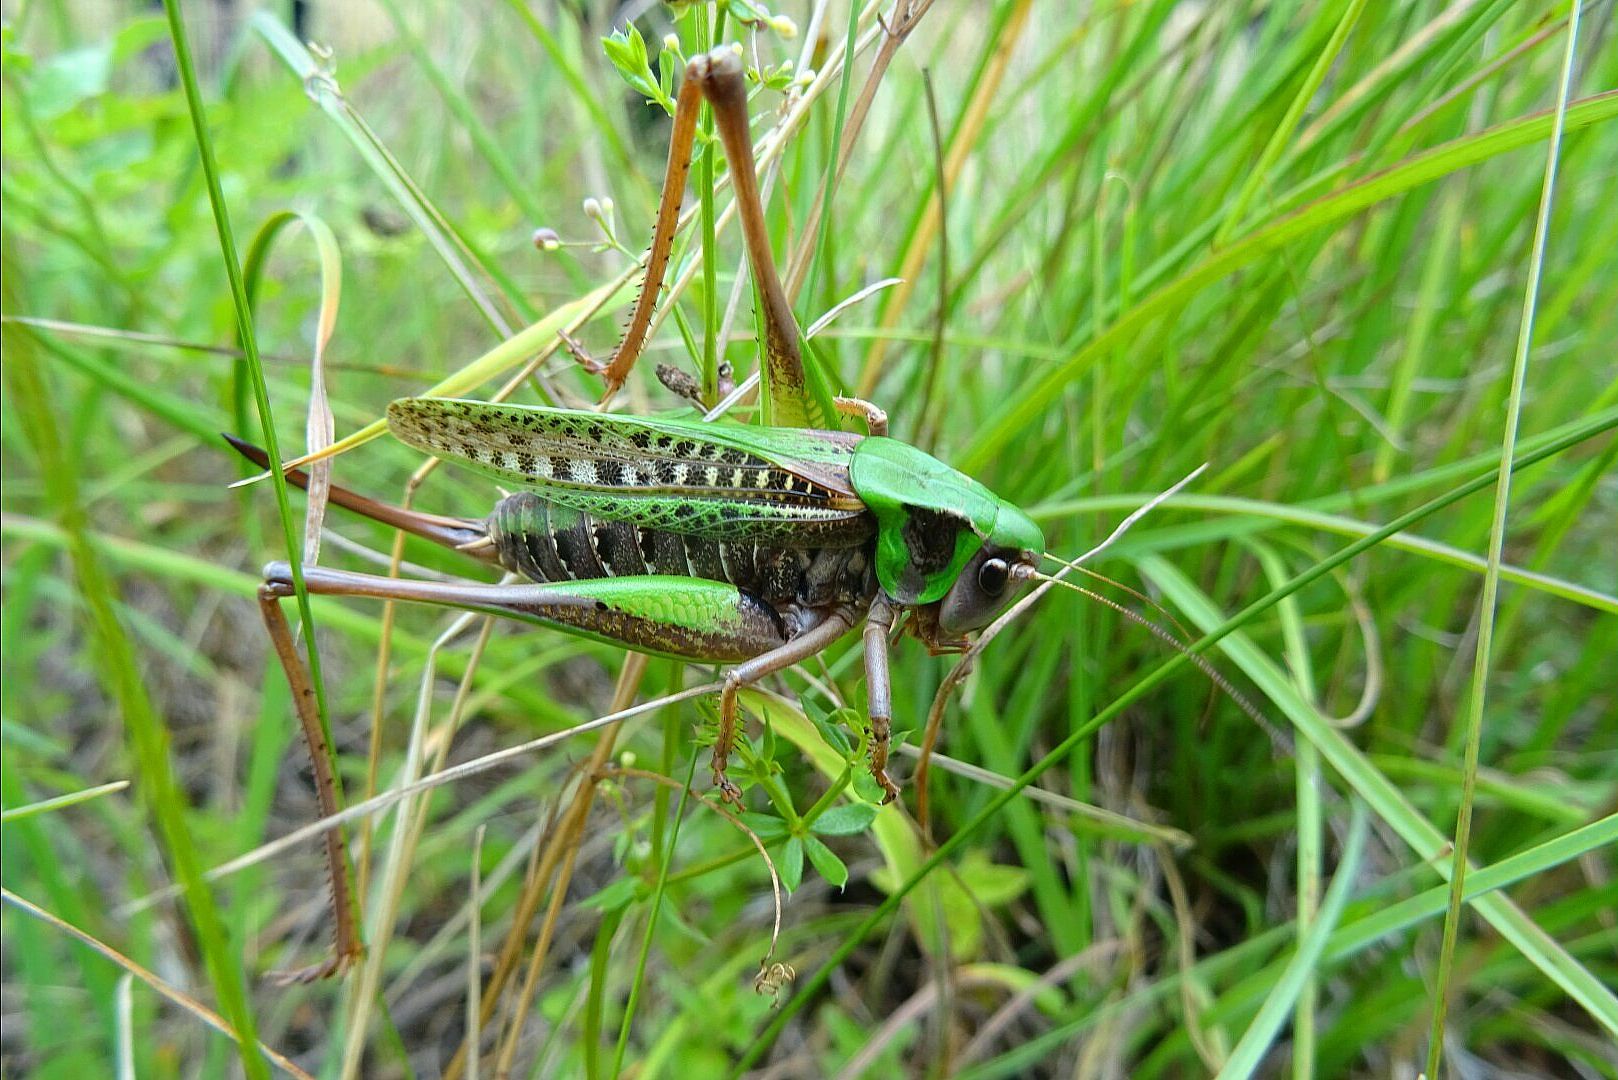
[
  {"x": 557, "y": 857},
  {"x": 960, "y": 146},
  {"x": 966, "y": 136},
  {"x": 379, "y": 694},
  {"x": 894, "y": 37}
]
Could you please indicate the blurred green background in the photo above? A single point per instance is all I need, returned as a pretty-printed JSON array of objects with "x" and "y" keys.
[{"x": 1292, "y": 239}]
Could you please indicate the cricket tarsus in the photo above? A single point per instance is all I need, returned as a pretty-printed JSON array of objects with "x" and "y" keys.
[
  {"x": 875, "y": 417},
  {"x": 816, "y": 639}
]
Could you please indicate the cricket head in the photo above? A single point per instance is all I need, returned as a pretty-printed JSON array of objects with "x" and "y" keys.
[
  {"x": 995, "y": 575},
  {"x": 946, "y": 546}
]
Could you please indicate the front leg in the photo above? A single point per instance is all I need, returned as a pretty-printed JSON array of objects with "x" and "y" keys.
[
  {"x": 816, "y": 639},
  {"x": 876, "y": 419},
  {"x": 879, "y": 691}
]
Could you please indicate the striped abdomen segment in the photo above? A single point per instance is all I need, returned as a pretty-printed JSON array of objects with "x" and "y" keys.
[{"x": 547, "y": 542}]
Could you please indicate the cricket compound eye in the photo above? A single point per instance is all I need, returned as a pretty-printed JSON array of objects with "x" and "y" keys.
[
  {"x": 993, "y": 575},
  {"x": 986, "y": 584}
]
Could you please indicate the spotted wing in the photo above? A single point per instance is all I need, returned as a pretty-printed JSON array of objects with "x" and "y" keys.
[{"x": 721, "y": 481}]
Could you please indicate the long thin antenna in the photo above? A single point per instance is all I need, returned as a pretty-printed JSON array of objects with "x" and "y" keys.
[
  {"x": 1163, "y": 635},
  {"x": 1129, "y": 522},
  {"x": 935, "y": 715},
  {"x": 1179, "y": 627}
]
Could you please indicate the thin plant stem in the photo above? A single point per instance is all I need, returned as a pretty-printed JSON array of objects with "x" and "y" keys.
[{"x": 1491, "y": 574}]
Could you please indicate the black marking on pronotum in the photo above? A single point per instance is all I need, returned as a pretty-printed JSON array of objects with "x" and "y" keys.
[{"x": 929, "y": 535}]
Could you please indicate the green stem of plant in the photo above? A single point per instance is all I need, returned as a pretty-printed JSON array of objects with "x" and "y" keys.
[
  {"x": 651, "y": 920},
  {"x": 1491, "y": 573},
  {"x": 709, "y": 375},
  {"x": 828, "y": 797}
]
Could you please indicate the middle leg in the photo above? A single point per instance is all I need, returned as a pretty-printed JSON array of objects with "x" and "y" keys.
[
  {"x": 879, "y": 692},
  {"x": 816, "y": 639}
]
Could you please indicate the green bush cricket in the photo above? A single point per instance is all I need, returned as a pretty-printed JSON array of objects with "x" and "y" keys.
[{"x": 754, "y": 546}]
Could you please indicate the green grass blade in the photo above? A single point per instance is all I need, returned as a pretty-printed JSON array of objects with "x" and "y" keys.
[
  {"x": 120, "y": 674},
  {"x": 1260, "y": 1035},
  {"x": 1491, "y": 574},
  {"x": 249, "y": 345},
  {"x": 61, "y": 802},
  {"x": 1385, "y": 797},
  {"x": 1268, "y": 239},
  {"x": 1259, "y": 174}
]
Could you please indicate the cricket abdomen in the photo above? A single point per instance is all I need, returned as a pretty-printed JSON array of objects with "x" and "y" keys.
[{"x": 547, "y": 542}]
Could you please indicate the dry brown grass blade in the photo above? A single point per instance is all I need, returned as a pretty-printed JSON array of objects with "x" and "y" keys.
[
  {"x": 556, "y": 858},
  {"x": 183, "y": 1000},
  {"x": 960, "y": 148}
]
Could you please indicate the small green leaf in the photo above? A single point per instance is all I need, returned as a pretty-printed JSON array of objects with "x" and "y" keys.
[
  {"x": 619, "y": 53},
  {"x": 779, "y": 77},
  {"x": 767, "y": 826},
  {"x": 637, "y": 46},
  {"x": 845, "y": 820},
  {"x": 748, "y": 13},
  {"x": 991, "y": 884},
  {"x": 825, "y": 861},
  {"x": 615, "y": 896},
  {"x": 790, "y": 864},
  {"x": 833, "y": 728},
  {"x": 866, "y": 787},
  {"x": 667, "y": 61},
  {"x": 767, "y": 743},
  {"x": 626, "y": 50}
]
